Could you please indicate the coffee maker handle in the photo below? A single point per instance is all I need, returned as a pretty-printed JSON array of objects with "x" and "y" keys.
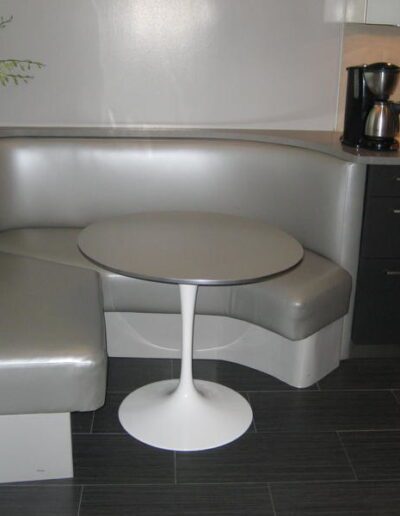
[{"x": 395, "y": 106}]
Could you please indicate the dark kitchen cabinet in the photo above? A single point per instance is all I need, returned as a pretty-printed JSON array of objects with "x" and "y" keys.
[{"x": 377, "y": 308}]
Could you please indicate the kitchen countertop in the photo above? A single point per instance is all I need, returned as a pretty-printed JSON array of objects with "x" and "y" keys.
[{"x": 327, "y": 142}]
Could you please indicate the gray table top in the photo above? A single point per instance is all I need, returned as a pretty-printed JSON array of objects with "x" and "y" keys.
[{"x": 190, "y": 247}]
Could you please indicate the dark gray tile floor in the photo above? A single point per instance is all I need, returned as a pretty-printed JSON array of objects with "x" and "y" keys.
[{"x": 330, "y": 450}]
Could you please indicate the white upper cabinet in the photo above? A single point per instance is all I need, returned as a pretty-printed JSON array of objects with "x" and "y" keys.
[{"x": 381, "y": 12}]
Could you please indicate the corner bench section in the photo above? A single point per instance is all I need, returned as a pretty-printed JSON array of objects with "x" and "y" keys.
[{"x": 52, "y": 362}]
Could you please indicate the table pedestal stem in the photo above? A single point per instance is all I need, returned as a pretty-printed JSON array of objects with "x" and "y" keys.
[{"x": 188, "y": 295}]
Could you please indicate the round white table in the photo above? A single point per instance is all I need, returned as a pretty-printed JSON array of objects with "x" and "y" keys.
[{"x": 188, "y": 249}]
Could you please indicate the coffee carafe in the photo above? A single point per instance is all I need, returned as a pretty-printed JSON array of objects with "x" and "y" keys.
[{"x": 371, "y": 119}]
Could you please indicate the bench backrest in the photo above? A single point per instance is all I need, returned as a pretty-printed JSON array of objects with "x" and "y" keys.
[{"x": 47, "y": 182}]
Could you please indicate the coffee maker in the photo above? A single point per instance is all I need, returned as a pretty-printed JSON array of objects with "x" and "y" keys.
[{"x": 371, "y": 119}]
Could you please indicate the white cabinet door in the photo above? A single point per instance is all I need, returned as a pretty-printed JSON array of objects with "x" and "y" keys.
[{"x": 381, "y": 12}]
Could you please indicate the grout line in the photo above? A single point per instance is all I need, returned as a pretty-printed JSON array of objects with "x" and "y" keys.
[
  {"x": 283, "y": 432},
  {"x": 272, "y": 391},
  {"x": 337, "y": 481},
  {"x": 350, "y": 389},
  {"x": 92, "y": 423},
  {"x": 394, "y": 395},
  {"x": 328, "y": 431},
  {"x": 260, "y": 391},
  {"x": 43, "y": 483},
  {"x": 234, "y": 483},
  {"x": 347, "y": 456},
  {"x": 121, "y": 432},
  {"x": 175, "y": 474},
  {"x": 80, "y": 501},
  {"x": 344, "y": 431},
  {"x": 271, "y": 500},
  {"x": 278, "y": 482},
  {"x": 320, "y": 390}
]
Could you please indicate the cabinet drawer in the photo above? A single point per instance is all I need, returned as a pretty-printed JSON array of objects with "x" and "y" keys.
[
  {"x": 384, "y": 180},
  {"x": 381, "y": 229},
  {"x": 377, "y": 308}
]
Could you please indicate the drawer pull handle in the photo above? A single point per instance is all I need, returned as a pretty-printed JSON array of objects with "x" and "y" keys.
[
  {"x": 396, "y": 211},
  {"x": 392, "y": 273}
]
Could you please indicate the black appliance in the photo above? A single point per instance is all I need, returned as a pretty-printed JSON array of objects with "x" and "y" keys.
[{"x": 371, "y": 119}]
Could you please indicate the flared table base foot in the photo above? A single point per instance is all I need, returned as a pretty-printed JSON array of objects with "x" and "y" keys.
[{"x": 160, "y": 415}]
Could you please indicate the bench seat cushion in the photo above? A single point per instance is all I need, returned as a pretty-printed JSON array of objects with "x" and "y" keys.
[
  {"x": 52, "y": 344},
  {"x": 297, "y": 303},
  {"x": 294, "y": 304}
]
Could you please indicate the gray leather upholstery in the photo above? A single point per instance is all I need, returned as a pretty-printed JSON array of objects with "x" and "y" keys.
[
  {"x": 52, "y": 352},
  {"x": 120, "y": 293},
  {"x": 70, "y": 182},
  {"x": 295, "y": 304},
  {"x": 298, "y": 303}
]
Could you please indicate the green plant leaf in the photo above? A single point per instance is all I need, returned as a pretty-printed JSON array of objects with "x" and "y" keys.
[{"x": 14, "y": 71}]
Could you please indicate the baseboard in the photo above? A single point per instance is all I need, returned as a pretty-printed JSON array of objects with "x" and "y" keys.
[{"x": 298, "y": 363}]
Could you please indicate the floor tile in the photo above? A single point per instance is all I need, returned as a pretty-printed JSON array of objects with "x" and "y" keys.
[
  {"x": 235, "y": 376},
  {"x": 364, "y": 373},
  {"x": 120, "y": 459},
  {"x": 374, "y": 455},
  {"x": 39, "y": 501},
  {"x": 296, "y": 448},
  {"x": 324, "y": 411},
  {"x": 81, "y": 422},
  {"x": 266, "y": 458},
  {"x": 397, "y": 395},
  {"x": 208, "y": 500},
  {"x": 106, "y": 418},
  {"x": 128, "y": 374},
  {"x": 337, "y": 499}
]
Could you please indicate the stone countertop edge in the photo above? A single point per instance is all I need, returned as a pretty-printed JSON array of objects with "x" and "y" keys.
[{"x": 327, "y": 142}]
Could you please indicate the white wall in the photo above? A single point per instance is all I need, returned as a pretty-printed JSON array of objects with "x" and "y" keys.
[{"x": 232, "y": 63}]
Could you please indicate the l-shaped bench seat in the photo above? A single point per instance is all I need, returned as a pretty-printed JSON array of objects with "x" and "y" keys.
[
  {"x": 49, "y": 185},
  {"x": 52, "y": 362}
]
